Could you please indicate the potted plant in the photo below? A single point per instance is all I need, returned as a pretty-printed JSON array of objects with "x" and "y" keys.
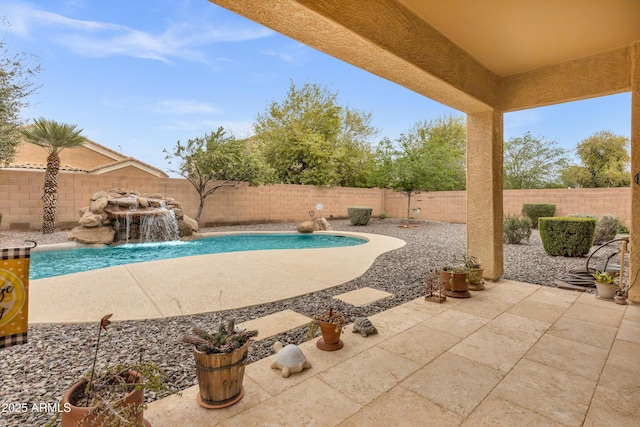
[
  {"x": 220, "y": 360},
  {"x": 114, "y": 397},
  {"x": 476, "y": 272},
  {"x": 456, "y": 281},
  {"x": 606, "y": 284},
  {"x": 330, "y": 323}
]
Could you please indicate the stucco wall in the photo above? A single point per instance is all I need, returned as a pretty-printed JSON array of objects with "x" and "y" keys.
[{"x": 20, "y": 204}]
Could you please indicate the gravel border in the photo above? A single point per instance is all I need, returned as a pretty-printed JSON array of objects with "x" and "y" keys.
[{"x": 58, "y": 355}]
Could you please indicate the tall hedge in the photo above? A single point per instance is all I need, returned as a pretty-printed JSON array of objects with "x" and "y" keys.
[
  {"x": 537, "y": 210},
  {"x": 567, "y": 236}
]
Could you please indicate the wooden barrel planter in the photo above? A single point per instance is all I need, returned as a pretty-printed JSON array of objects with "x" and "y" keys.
[
  {"x": 130, "y": 406},
  {"x": 220, "y": 377}
]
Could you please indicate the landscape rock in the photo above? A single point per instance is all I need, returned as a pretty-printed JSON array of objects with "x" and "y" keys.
[
  {"x": 192, "y": 223},
  {"x": 323, "y": 224},
  {"x": 90, "y": 220},
  {"x": 306, "y": 227},
  {"x": 102, "y": 235},
  {"x": 98, "y": 204}
]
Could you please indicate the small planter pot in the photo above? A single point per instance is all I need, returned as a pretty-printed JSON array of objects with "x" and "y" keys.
[
  {"x": 476, "y": 279},
  {"x": 83, "y": 416},
  {"x": 330, "y": 340},
  {"x": 220, "y": 377},
  {"x": 606, "y": 290},
  {"x": 456, "y": 285}
]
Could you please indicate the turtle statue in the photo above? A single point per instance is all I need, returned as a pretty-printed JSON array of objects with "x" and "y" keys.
[
  {"x": 364, "y": 326},
  {"x": 289, "y": 358}
]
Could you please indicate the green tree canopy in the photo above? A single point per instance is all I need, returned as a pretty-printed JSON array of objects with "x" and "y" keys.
[
  {"x": 219, "y": 160},
  {"x": 16, "y": 85},
  {"x": 53, "y": 137},
  {"x": 605, "y": 162},
  {"x": 310, "y": 139},
  {"x": 430, "y": 157},
  {"x": 531, "y": 162}
]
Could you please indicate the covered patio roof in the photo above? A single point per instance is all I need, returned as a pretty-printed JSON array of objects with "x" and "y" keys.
[{"x": 483, "y": 58}]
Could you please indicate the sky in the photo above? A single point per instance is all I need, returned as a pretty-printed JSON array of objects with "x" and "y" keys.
[{"x": 139, "y": 76}]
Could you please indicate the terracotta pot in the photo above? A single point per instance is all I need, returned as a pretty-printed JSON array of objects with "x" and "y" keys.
[
  {"x": 220, "y": 377},
  {"x": 476, "y": 279},
  {"x": 82, "y": 416},
  {"x": 330, "y": 340},
  {"x": 606, "y": 290},
  {"x": 456, "y": 285}
]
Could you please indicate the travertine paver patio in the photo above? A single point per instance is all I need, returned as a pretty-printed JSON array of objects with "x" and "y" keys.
[
  {"x": 363, "y": 296},
  {"x": 515, "y": 354}
]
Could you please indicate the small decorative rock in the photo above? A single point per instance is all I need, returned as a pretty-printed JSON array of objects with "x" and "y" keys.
[
  {"x": 364, "y": 326},
  {"x": 290, "y": 359}
]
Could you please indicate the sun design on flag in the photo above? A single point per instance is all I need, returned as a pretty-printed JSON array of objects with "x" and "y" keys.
[{"x": 12, "y": 296}]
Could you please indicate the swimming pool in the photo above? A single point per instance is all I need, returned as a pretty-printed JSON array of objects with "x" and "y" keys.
[{"x": 60, "y": 262}]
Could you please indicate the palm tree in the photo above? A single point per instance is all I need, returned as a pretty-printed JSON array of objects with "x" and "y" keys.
[{"x": 53, "y": 137}]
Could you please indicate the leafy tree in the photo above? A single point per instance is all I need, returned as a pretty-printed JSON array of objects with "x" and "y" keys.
[
  {"x": 531, "y": 162},
  {"x": 15, "y": 87},
  {"x": 53, "y": 137},
  {"x": 430, "y": 158},
  {"x": 605, "y": 162},
  {"x": 219, "y": 160},
  {"x": 310, "y": 139}
]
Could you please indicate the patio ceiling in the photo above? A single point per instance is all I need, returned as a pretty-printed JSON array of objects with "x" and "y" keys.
[
  {"x": 514, "y": 36},
  {"x": 471, "y": 55}
]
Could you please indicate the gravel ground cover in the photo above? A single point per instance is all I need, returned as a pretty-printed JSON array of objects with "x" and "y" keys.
[{"x": 56, "y": 356}]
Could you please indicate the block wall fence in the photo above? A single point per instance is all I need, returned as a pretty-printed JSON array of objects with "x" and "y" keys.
[{"x": 21, "y": 205}]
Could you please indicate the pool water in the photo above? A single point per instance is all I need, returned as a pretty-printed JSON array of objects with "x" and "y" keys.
[{"x": 57, "y": 263}]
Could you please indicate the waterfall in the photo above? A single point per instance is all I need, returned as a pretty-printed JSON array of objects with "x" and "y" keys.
[{"x": 159, "y": 226}]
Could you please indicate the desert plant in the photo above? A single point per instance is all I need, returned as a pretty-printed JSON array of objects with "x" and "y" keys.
[
  {"x": 538, "y": 210},
  {"x": 359, "y": 215},
  {"x": 470, "y": 261},
  {"x": 606, "y": 229},
  {"x": 567, "y": 236},
  {"x": 227, "y": 339},
  {"x": 604, "y": 277},
  {"x": 109, "y": 397},
  {"x": 330, "y": 316},
  {"x": 383, "y": 215},
  {"x": 516, "y": 229}
]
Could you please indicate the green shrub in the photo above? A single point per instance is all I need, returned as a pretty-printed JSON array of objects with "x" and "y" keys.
[
  {"x": 606, "y": 229},
  {"x": 537, "y": 210},
  {"x": 516, "y": 229},
  {"x": 359, "y": 215},
  {"x": 567, "y": 236},
  {"x": 622, "y": 228},
  {"x": 383, "y": 215}
]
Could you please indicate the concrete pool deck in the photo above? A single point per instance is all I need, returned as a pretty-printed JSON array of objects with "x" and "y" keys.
[{"x": 199, "y": 284}]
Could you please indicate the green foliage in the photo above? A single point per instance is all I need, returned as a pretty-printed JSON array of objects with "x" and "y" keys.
[
  {"x": 516, "y": 229},
  {"x": 604, "y": 277},
  {"x": 531, "y": 162},
  {"x": 16, "y": 85},
  {"x": 537, "y": 210},
  {"x": 431, "y": 157},
  {"x": 359, "y": 215},
  {"x": 470, "y": 261},
  {"x": 606, "y": 229},
  {"x": 567, "y": 236},
  {"x": 219, "y": 160},
  {"x": 53, "y": 137},
  {"x": 605, "y": 162},
  {"x": 225, "y": 340},
  {"x": 310, "y": 139},
  {"x": 622, "y": 228},
  {"x": 383, "y": 215}
]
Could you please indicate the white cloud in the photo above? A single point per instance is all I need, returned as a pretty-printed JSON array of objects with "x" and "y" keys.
[
  {"x": 100, "y": 39},
  {"x": 181, "y": 106},
  {"x": 240, "y": 129},
  {"x": 286, "y": 57}
]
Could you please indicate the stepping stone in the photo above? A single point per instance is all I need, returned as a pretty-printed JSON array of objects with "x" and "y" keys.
[
  {"x": 276, "y": 323},
  {"x": 363, "y": 296}
]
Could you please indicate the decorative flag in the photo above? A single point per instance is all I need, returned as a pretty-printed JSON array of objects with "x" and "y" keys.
[{"x": 14, "y": 304}]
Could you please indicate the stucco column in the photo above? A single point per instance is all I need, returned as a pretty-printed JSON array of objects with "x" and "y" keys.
[
  {"x": 634, "y": 256},
  {"x": 484, "y": 190}
]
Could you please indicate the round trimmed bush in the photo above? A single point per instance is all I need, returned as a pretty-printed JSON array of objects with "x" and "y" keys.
[
  {"x": 567, "y": 236},
  {"x": 516, "y": 228},
  {"x": 359, "y": 215},
  {"x": 537, "y": 210}
]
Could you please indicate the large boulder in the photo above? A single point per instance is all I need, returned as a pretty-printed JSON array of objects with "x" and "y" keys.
[
  {"x": 101, "y": 235},
  {"x": 192, "y": 223},
  {"x": 91, "y": 220},
  {"x": 98, "y": 205},
  {"x": 307, "y": 227},
  {"x": 323, "y": 224}
]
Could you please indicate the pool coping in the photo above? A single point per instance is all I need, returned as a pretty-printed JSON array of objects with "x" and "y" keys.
[{"x": 156, "y": 289}]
